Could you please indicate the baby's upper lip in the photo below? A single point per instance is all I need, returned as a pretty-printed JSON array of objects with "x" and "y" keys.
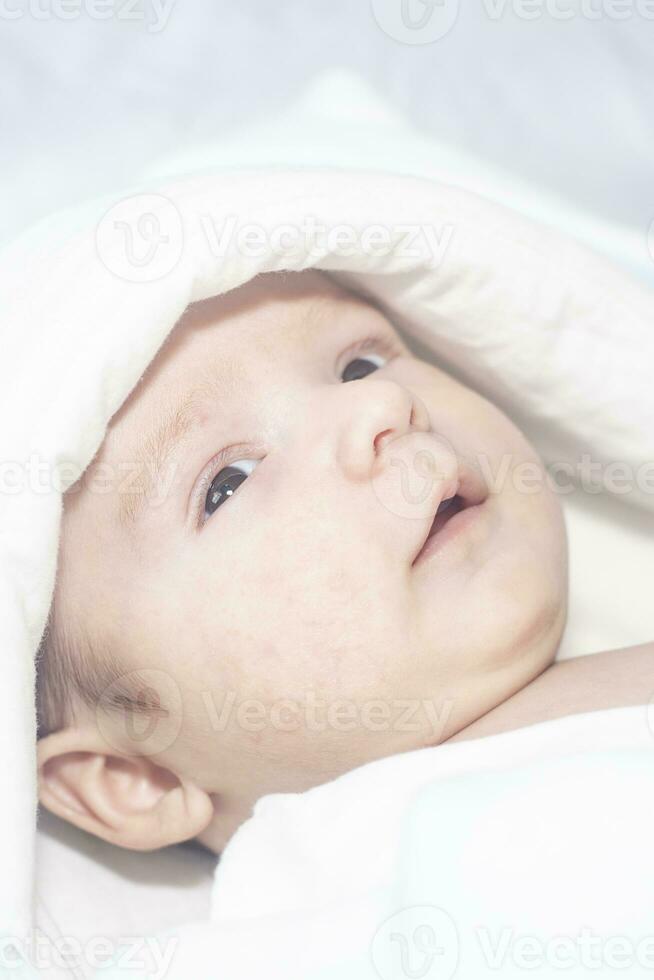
[{"x": 470, "y": 487}]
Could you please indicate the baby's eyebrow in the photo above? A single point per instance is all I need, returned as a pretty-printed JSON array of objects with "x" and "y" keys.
[{"x": 163, "y": 442}]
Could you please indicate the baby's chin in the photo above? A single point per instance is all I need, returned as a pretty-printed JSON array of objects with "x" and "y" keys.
[{"x": 502, "y": 658}]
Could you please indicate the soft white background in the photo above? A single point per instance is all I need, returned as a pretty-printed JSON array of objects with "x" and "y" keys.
[{"x": 85, "y": 104}]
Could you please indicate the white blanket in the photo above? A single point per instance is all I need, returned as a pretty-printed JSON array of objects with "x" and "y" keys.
[
  {"x": 527, "y": 850},
  {"x": 556, "y": 335},
  {"x": 470, "y": 860}
]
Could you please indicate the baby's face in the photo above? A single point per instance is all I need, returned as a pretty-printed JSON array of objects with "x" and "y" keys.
[{"x": 274, "y": 576}]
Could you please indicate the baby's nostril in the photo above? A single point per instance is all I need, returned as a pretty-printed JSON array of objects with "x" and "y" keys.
[{"x": 380, "y": 438}]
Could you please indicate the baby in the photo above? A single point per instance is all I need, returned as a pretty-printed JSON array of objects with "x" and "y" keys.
[{"x": 254, "y": 592}]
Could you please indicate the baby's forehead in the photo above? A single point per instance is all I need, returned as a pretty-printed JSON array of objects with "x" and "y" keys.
[
  {"x": 266, "y": 310},
  {"x": 308, "y": 295},
  {"x": 213, "y": 345}
]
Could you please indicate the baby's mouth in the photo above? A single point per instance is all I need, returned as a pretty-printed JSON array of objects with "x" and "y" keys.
[
  {"x": 471, "y": 492},
  {"x": 446, "y": 509}
]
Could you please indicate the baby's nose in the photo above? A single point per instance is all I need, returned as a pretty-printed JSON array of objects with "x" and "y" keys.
[{"x": 374, "y": 414}]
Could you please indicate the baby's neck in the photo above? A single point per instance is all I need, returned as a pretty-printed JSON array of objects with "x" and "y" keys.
[{"x": 611, "y": 679}]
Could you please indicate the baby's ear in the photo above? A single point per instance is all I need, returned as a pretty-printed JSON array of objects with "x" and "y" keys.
[{"x": 126, "y": 800}]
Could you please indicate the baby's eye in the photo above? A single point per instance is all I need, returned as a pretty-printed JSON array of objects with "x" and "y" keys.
[
  {"x": 361, "y": 366},
  {"x": 225, "y": 483}
]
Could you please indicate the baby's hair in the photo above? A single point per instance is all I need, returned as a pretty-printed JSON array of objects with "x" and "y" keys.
[{"x": 72, "y": 669}]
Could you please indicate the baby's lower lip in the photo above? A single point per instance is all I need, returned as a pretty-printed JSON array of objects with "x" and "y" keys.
[{"x": 454, "y": 528}]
